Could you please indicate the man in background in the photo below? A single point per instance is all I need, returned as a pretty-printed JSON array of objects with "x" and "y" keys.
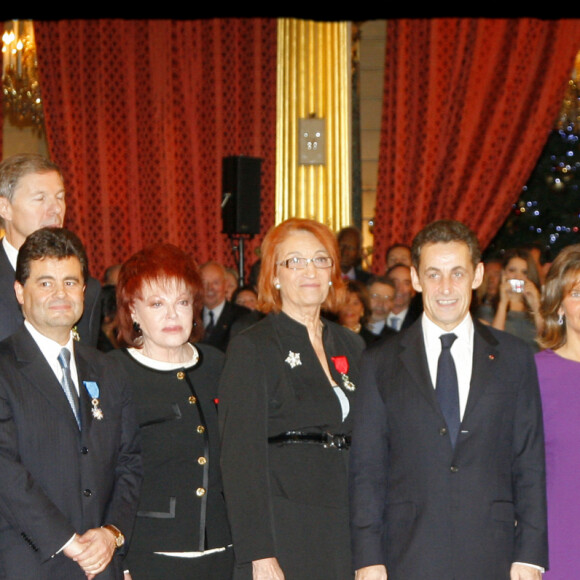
[
  {"x": 381, "y": 295},
  {"x": 350, "y": 247},
  {"x": 406, "y": 307},
  {"x": 218, "y": 313},
  {"x": 398, "y": 254},
  {"x": 32, "y": 196}
]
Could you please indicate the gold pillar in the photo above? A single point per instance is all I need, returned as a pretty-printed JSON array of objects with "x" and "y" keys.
[{"x": 314, "y": 68}]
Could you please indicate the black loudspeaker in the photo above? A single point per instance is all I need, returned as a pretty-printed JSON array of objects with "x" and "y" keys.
[{"x": 241, "y": 195}]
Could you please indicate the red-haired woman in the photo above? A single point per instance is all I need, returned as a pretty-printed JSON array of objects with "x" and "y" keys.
[
  {"x": 181, "y": 529},
  {"x": 285, "y": 398}
]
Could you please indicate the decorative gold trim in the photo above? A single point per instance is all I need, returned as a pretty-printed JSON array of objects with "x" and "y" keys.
[{"x": 314, "y": 66}]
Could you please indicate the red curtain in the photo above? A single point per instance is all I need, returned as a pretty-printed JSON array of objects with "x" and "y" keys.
[
  {"x": 139, "y": 115},
  {"x": 468, "y": 106}
]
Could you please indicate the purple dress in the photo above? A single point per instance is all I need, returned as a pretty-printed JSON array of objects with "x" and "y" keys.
[{"x": 560, "y": 387}]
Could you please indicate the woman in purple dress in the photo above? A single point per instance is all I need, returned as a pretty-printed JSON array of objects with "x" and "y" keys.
[{"x": 559, "y": 375}]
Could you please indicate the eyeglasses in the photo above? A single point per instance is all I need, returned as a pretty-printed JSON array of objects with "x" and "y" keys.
[
  {"x": 321, "y": 262},
  {"x": 381, "y": 297}
]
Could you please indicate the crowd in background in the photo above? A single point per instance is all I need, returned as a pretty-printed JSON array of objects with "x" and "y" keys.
[{"x": 307, "y": 423}]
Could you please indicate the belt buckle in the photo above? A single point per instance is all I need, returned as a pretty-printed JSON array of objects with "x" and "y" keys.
[{"x": 333, "y": 441}]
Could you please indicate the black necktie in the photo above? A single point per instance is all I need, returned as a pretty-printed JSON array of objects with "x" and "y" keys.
[
  {"x": 67, "y": 383},
  {"x": 210, "y": 326},
  {"x": 446, "y": 389}
]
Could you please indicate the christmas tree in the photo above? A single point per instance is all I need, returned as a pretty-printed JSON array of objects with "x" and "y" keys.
[{"x": 548, "y": 210}]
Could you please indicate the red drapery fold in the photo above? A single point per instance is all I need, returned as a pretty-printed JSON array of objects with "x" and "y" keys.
[
  {"x": 139, "y": 115},
  {"x": 468, "y": 105}
]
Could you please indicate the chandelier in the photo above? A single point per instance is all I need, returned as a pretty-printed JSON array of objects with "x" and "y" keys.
[{"x": 21, "y": 90}]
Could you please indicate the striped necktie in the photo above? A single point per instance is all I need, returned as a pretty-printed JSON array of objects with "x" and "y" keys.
[{"x": 67, "y": 383}]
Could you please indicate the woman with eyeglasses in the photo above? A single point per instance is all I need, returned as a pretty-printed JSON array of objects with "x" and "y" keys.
[{"x": 285, "y": 399}]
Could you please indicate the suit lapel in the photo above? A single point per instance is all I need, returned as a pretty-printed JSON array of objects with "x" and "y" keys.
[
  {"x": 485, "y": 355},
  {"x": 414, "y": 360},
  {"x": 224, "y": 320},
  {"x": 40, "y": 375}
]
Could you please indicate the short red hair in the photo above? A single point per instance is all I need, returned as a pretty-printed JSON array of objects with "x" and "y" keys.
[
  {"x": 269, "y": 299},
  {"x": 160, "y": 263}
]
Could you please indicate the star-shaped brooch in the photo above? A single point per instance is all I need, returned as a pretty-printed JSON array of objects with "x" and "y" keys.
[{"x": 293, "y": 359}]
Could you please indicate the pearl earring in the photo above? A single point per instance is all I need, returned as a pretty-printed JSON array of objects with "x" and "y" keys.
[
  {"x": 277, "y": 285},
  {"x": 330, "y": 282}
]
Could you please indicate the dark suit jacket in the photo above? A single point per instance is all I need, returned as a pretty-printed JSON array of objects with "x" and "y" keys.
[
  {"x": 386, "y": 331},
  {"x": 362, "y": 275},
  {"x": 370, "y": 337},
  {"x": 54, "y": 478},
  {"x": 426, "y": 510},
  {"x": 220, "y": 335},
  {"x": 171, "y": 518},
  {"x": 262, "y": 395},
  {"x": 11, "y": 316},
  {"x": 415, "y": 310}
]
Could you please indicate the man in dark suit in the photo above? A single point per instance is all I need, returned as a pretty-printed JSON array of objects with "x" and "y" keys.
[
  {"x": 218, "y": 313},
  {"x": 381, "y": 295},
  {"x": 398, "y": 254},
  {"x": 407, "y": 305},
  {"x": 32, "y": 196},
  {"x": 350, "y": 246},
  {"x": 447, "y": 476},
  {"x": 70, "y": 464}
]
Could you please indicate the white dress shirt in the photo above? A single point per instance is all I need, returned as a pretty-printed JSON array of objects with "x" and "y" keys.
[
  {"x": 351, "y": 274},
  {"x": 400, "y": 317},
  {"x": 217, "y": 312},
  {"x": 461, "y": 351},
  {"x": 11, "y": 252},
  {"x": 377, "y": 326},
  {"x": 51, "y": 349}
]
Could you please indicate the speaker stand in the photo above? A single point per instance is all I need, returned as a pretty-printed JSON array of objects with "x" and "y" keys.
[{"x": 238, "y": 251}]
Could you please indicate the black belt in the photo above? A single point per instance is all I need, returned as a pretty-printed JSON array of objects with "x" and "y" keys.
[{"x": 327, "y": 440}]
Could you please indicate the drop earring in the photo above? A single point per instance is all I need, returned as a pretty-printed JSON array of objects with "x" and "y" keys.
[
  {"x": 560, "y": 319},
  {"x": 136, "y": 327},
  {"x": 277, "y": 285}
]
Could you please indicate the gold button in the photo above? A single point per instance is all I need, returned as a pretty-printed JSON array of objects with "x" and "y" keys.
[
  {"x": 200, "y": 429},
  {"x": 202, "y": 460},
  {"x": 200, "y": 492},
  {"x": 180, "y": 375},
  {"x": 192, "y": 400}
]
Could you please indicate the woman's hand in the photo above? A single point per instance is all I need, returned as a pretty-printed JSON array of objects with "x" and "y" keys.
[
  {"x": 505, "y": 293},
  {"x": 532, "y": 296},
  {"x": 267, "y": 569}
]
